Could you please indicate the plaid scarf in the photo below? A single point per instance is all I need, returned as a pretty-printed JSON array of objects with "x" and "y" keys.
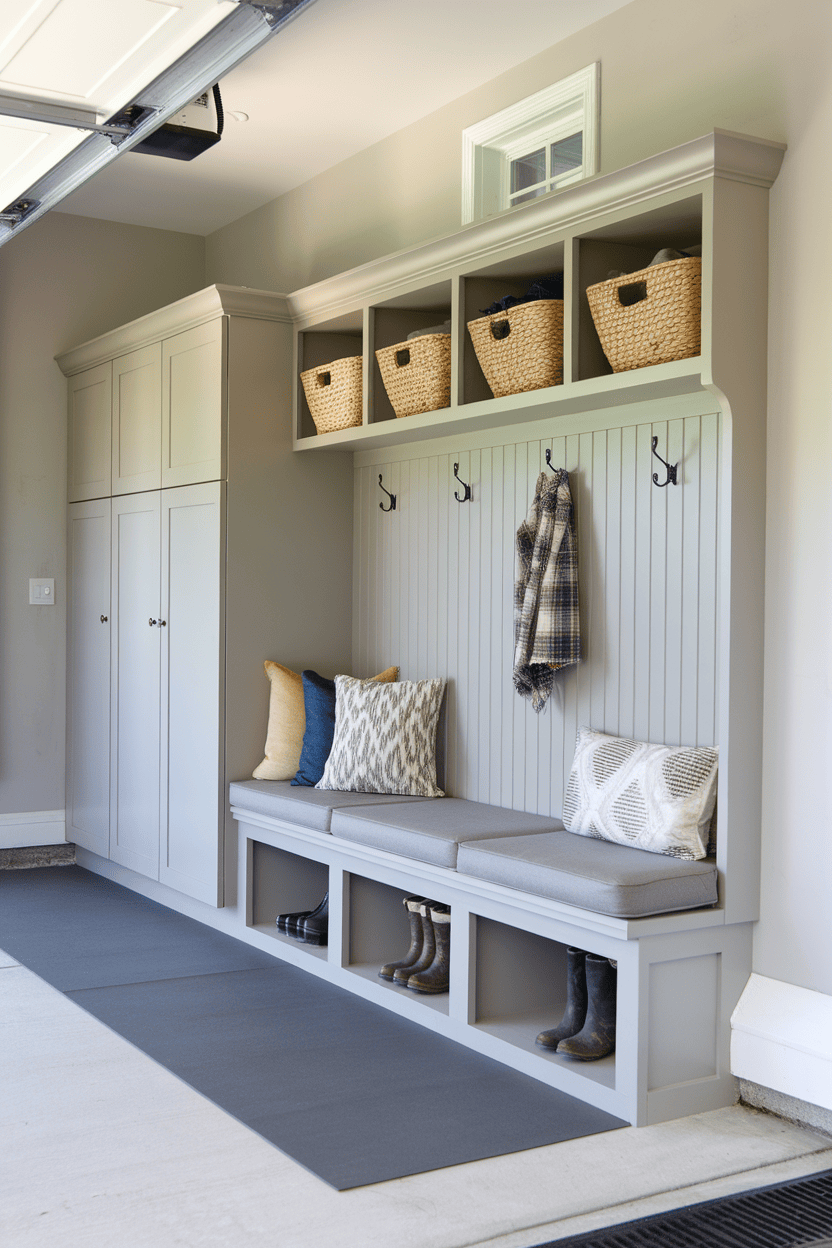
[{"x": 547, "y": 630}]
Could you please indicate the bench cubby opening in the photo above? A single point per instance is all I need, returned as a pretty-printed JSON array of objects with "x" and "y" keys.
[
  {"x": 283, "y": 883},
  {"x": 521, "y": 990},
  {"x": 379, "y": 932}
]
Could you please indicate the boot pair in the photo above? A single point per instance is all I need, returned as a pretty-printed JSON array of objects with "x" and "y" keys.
[
  {"x": 309, "y": 926},
  {"x": 587, "y": 1029},
  {"x": 426, "y": 965}
]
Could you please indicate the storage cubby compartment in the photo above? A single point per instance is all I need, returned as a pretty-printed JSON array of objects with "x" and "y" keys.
[
  {"x": 284, "y": 883},
  {"x": 322, "y": 345},
  {"x": 521, "y": 991},
  {"x": 486, "y": 286},
  {"x": 626, "y": 247},
  {"x": 391, "y": 323},
  {"x": 379, "y": 932}
]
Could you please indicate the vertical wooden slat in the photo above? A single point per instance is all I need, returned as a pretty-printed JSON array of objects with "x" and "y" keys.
[
  {"x": 511, "y": 519},
  {"x": 612, "y": 582},
  {"x": 708, "y": 689},
  {"x": 658, "y": 580}
]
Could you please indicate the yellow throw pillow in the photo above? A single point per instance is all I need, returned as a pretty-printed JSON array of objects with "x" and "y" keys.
[{"x": 287, "y": 721}]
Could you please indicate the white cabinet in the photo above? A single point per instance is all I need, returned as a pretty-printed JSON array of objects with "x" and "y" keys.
[
  {"x": 165, "y": 753},
  {"x": 153, "y": 417},
  {"x": 193, "y": 445},
  {"x": 179, "y": 427},
  {"x": 191, "y": 630},
  {"x": 134, "y": 685},
  {"x": 88, "y": 670},
  {"x": 137, "y": 421},
  {"x": 88, "y": 421}
]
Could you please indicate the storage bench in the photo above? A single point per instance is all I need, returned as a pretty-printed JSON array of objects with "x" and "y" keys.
[{"x": 521, "y": 889}]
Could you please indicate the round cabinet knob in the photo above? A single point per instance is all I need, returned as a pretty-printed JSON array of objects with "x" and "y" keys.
[
  {"x": 103, "y": 619},
  {"x": 162, "y": 623},
  {"x": 151, "y": 622}
]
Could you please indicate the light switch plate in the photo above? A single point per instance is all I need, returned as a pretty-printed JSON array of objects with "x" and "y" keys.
[{"x": 42, "y": 591}]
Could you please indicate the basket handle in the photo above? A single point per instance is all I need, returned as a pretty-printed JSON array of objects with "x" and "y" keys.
[
  {"x": 403, "y": 357},
  {"x": 500, "y": 330},
  {"x": 324, "y": 379},
  {"x": 632, "y": 292}
]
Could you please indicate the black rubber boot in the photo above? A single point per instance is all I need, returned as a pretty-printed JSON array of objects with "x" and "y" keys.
[
  {"x": 411, "y": 905},
  {"x": 288, "y": 923},
  {"x": 437, "y": 976},
  {"x": 575, "y": 1014},
  {"x": 313, "y": 930},
  {"x": 597, "y": 1036},
  {"x": 402, "y": 975}
]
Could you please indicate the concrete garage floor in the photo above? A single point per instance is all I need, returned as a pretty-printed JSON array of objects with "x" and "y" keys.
[{"x": 102, "y": 1146}]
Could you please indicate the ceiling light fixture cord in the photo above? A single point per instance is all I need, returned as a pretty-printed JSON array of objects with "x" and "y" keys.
[{"x": 218, "y": 105}]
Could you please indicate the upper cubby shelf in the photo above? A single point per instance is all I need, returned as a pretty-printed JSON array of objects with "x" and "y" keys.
[{"x": 615, "y": 223}]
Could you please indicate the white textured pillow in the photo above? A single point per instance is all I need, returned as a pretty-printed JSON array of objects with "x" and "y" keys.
[
  {"x": 649, "y": 796},
  {"x": 385, "y": 738}
]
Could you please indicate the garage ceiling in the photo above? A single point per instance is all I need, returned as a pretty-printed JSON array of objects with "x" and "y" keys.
[{"x": 341, "y": 76}]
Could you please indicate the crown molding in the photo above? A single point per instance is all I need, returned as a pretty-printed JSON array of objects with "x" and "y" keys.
[
  {"x": 205, "y": 305},
  {"x": 720, "y": 154}
]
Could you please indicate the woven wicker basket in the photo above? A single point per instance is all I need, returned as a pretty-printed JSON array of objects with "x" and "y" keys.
[
  {"x": 333, "y": 392},
  {"x": 521, "y": 349},
  {"x": 417, "y": 374},
  {"x": 651, "y": 316}
]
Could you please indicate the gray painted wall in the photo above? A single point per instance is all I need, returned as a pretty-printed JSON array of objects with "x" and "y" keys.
[
  {"x": 668, "y": 74},
  {"x": 62, "y": 281}
]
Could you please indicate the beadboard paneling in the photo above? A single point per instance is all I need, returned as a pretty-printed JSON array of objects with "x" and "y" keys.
[{"x": 433, "y": 592}]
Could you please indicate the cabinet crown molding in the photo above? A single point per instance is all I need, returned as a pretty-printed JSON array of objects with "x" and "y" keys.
[
  {"x": 720, "y": 154},
  {"x": 204, "y": 305}
]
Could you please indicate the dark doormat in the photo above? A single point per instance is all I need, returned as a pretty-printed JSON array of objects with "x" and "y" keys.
[
  {"x": 352, "y": 1092},
  {"x": 784, "y": 1215}
]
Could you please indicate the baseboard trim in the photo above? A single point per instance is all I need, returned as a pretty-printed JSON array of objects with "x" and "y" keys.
[
  {"x": 32, "y": 827},
  {"x": 780, "y": 1040}
]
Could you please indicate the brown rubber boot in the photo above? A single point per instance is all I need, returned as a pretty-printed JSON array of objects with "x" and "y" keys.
[
  {"x": 411, "y": 905},
  {"x": 436, "y": 977}
]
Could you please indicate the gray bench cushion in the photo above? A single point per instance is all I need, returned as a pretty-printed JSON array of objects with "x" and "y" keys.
[
  {"x": 431, "y": 830},
  {"x": 595, "y": 875},
  {"x": 311, "y": 808}
]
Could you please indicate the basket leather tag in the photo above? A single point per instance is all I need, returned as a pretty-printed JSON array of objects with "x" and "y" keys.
[
  {"x": 324, "y": 379},
  {"x": 500, "y": 330},
  {"x": 403, "y": 357}
]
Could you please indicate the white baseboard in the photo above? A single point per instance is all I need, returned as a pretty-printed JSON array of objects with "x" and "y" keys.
[
  {"x": 32, "y": 827},
  {"x": 781, "y": 1038}
]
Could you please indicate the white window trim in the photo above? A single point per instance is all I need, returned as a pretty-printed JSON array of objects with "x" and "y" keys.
[{"x": 555, "y": 112}]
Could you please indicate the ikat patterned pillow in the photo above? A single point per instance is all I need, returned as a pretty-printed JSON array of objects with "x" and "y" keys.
[
  {"x": 652, "y": 797},
  {"x": 385, "y": 738}
]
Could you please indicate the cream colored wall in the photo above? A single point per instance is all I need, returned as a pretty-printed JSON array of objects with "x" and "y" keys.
[
  {"x": 669, "y": 73},
  {"x": 62, "y": 281}
]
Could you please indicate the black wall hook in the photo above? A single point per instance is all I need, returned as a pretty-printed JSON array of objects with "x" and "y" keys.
[
  {"x": 461, "y": 498},
  {"x": 392, "y": 498},
  {"x": 549, "y": 459},
  {"x": 671, "y": 469}
]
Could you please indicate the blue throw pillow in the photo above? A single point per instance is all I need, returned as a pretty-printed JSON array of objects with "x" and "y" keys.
[{"x": 319, "y": 704}]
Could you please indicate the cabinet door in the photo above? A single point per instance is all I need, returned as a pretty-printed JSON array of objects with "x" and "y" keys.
[
  {"x": 88, "y": 676},
  {"x": 134, "y": 714},
  {"x": 137, "y": 421},
  {"x": 192, "y": 772},
  {"x": 88, "y": 446},
  {"x": 193, "y": 405}
]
